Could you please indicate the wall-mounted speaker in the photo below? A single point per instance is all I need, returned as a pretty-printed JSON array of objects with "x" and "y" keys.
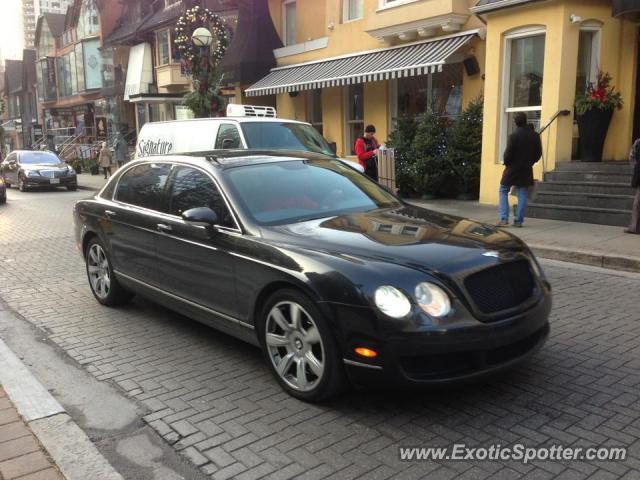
[{"x": 471, "y": 65}]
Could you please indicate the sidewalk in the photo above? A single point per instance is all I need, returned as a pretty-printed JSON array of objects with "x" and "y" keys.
[
  {"x": 32, "y": 413},
  {"x": 86, "y": 181},
  {"x": 598, "y": 245},
  {"x": 21, "y": 455}
]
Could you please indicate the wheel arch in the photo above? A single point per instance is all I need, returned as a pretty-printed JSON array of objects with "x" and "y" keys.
[
  {"x": 282, "y": 284},
  {"x": 86, "y": 238}
]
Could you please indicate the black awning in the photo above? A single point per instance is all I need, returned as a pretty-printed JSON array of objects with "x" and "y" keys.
[
  {"x": 627, "y": 9},
  {"x": 250, "y": 55}
]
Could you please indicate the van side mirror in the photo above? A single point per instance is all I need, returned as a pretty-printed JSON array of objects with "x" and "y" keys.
[{"x": 201, "y": 216}]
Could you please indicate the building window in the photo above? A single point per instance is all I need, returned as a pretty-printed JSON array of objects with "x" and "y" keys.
[
  {"x": 92, "y": 64},
  {"x": 89, "y": 22},
  {"x": 79, "y": 67},
  {"x": 314, "y": 109},
  {"x": 393, "y": 3},
  {"x": 524, "y": 66},
  {"x": 163, "y": 40},
  {"x": 289, "y": 22},
  {"x": 353, "y": 9},
  {"x": 440, "y": 92},
  {"x": 354, "y": 110},
  {"x": 588, "y": 55}
]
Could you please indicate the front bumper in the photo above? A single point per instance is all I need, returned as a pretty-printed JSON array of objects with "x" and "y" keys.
[
  {"x": 66, "y": 181},
  {"x": 448, "y": 356}
]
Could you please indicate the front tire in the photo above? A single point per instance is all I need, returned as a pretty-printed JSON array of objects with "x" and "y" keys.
[
  {"x": 22, "y": 184},
  {"x": 299, "y": 348},
  {"x": 72, "y": 188},
  {"x": 103, "y": 283}
]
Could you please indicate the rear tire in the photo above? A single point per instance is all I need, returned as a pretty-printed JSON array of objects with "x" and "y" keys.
[
  {"x": 103, "y": 283},
  {"x": 299, "y": 347},
  {"x": 3, "y": 199},
  {"x": 72, "y": 188}
]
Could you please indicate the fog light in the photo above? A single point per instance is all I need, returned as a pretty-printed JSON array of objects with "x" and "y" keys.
[{"x": 366, "y": 352}]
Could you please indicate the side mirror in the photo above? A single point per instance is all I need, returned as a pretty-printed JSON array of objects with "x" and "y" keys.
[{"x": 202, "y": 216}]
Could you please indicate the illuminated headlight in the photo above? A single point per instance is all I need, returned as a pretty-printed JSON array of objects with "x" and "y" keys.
[
  {"x": 392, "y": 302},
  {"x": 1, "y": 181},
  {"x": 32, "y": 173},
  {"x": 432, "y": 299},
  {"x": 70, "y": 170}
]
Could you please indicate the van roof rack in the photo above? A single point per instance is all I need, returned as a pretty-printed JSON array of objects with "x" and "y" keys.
[{"x": 236, "y": 110}]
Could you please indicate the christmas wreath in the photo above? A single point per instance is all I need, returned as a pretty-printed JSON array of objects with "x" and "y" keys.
[
  {"x": 200, "y": 63},
  {"x": 200, "y": 17}
]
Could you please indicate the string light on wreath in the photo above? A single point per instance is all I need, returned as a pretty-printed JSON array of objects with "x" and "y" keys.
[{"x": 192, "y": 19}]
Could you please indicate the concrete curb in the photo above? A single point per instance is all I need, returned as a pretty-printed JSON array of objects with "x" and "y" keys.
[
  {"x": 595, "y": 259},
  {"x": 68, "y": 446}
]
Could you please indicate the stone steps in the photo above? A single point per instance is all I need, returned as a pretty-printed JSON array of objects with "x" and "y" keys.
[{"x": 597, "y": 193}]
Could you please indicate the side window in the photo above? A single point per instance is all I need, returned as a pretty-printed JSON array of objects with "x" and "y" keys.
[
  {"x": 192, "y": 188},
  {"x": 144, "y": 185},
  {"x": 228, "y": 137}
]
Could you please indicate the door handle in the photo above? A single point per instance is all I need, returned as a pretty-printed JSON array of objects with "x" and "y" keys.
[
  {"x": 110, "y": 213},
  {"x": 163, "y": 227}
]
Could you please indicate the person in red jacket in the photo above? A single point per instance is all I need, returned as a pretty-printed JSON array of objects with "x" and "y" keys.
[{"x": 367, "y": 151}]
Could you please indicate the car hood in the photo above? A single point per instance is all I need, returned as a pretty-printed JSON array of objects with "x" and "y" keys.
[
  {"x": 412, "y": 236},
  {"x": 43, "y": 166}
]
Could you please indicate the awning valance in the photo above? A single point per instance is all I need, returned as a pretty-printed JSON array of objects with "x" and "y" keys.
[
  {"x": 395, "y": 62},
  {"x": 139, "y": 70}
]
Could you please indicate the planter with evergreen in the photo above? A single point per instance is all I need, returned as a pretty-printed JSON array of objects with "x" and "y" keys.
[{"x": 594, "y": 110}]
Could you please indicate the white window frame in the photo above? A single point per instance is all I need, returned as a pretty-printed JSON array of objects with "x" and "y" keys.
[
  {"x": 506, "y": 72},
  {"x": 596, "y": 28},
  {"x": 158, "y": 51},
  {"x": 311, "y": 110},
  {"x": 345, "y": 12},
  {"x": 386, "y": 4},
  {"x": 284, "y": 22},
  {"x": 350, "y": 143}
]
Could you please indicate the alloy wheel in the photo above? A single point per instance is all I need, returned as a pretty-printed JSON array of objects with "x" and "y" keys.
[
  {"x": 295, "y": 346},
  {"x": 98, "y": 271}
]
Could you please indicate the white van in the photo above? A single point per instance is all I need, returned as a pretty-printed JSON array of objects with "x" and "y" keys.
[{"x": 245, "y": 127}]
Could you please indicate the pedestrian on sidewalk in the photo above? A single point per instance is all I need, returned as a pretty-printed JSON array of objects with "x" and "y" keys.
[
  {"x": 367, "y": 150},
  {"x": 121, "y": 149},
  {"x": 105, "y": 158},
  {"x": 523, "y": 150},
  {"x": 634, "y": 159}
]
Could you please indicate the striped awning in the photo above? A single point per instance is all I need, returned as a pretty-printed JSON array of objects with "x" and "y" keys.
[{"x": 384, "y": 64}]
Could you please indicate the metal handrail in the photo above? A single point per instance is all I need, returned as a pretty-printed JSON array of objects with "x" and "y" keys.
[{"x": 559, "y": 113}]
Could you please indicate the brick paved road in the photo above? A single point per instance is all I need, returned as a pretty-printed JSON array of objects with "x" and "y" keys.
[{"x": 211, "y": 397}]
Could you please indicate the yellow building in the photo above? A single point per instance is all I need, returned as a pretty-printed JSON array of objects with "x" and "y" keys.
[{"x": 348, "y": 63}]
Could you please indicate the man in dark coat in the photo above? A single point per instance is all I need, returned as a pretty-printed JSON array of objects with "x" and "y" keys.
[
  {"x": 523, "y": 150},
  {"x": 634, "y": 158}
]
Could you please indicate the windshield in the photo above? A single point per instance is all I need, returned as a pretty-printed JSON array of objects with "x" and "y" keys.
[
  {"x": 284, "y": 136},
  {"x": 31, "y": 158},
  {"x": 298, "y": 190}
]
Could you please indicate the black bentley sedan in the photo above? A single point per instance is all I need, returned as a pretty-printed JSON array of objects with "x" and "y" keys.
[
  {"x": 331, "y": 275},
  {"x": 37, "y": 168}
]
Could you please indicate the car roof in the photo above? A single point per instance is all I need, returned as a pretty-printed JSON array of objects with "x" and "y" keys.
[
  {"x": 224, "y": 159},
  {"x": 231, "y": 119},
  {"x": 33, "y": 151}
]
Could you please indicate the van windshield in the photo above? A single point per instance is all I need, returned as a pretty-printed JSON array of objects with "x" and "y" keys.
[{"x": 284, "y": 136}]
